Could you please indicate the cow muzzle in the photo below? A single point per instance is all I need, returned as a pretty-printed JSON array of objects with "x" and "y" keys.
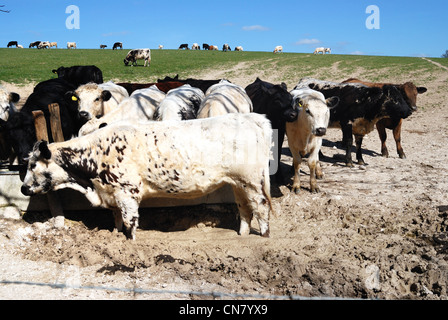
[
  {"x": 26, "y": 190},
  {"x": 321, "y": 132},
  {"x": 85, "y": 115}
]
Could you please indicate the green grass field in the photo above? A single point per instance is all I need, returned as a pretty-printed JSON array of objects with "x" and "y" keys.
[{"x": 21, "y": 66}]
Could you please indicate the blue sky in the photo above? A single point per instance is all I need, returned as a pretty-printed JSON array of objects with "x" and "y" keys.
[{"x": 406, "y": 28}]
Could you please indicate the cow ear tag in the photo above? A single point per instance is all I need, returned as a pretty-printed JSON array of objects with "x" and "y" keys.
[{"x": 74, "y": 98}]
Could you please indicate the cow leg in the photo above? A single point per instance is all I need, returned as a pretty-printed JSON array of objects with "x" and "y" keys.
[
  {"x": 253, "y": 200},
  {"x": 55, "y": 205},
  {"x": 381, "y": 128},
  {"x": 347, "y": 139},
  {"x": 397, "y": 137},
  {"x": 314, "y": 166},
  {"x": 297, "y": 160},
  {"x": 358, "y": 140},
  {"x": 129, "y": 214},
  {"x": 118, "y": 219},
  {"x": 281, "y": 137}
]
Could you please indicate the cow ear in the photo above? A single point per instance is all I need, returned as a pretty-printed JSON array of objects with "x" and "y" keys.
[
  {"x": 421, "y": 89},
  {"x": 54, "y": 71},
  {"x": 44, "y": 151},
  {"x": 14, "y": 97},
  {"x": 106, "y": 95},
  {"x": 71, "y": 96},
  {"x": 284, "y": 86},
  {"x": 298, "y": 103},
  {"x": 332, "y": 102},
  {"x": 102, "y": 125}
]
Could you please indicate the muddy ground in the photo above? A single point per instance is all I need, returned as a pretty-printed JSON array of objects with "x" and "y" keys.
[{"x": 378, "y": 231}]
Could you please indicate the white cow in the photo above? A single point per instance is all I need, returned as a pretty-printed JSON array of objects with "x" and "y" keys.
[
  {"x": 71, "y": 45},
  {"x": 96, "y": 100},
  {"x": 7, "y": 103},
  {"x": 322, "y": 50},
  {"x": 239, "y": 48},
  {"x": 195, "y": 46},
  {"x": 278, "y": 49},
  {"x": 224, "y": 97},
  {"x": 305, "y": 133},
  {"x": 140, "y": 105},
  {"x": 120, "y": 165},
  {"x": 181, "y": 103}
]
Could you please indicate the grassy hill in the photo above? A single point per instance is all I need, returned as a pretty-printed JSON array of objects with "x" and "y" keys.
[{"x": 22, "y": 66}]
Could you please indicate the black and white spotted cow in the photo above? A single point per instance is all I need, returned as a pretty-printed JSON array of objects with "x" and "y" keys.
[
  {"x": 176, "y": 159},
  {"x": 138, "y": 54}
]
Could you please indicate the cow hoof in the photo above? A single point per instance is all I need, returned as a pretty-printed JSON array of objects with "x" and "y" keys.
[
  {"x": 402, "y": 156},
  {"x": 315, "y": 190},
  {"x": 349, "y": 164},
  {"x": 296, "y": 190}
]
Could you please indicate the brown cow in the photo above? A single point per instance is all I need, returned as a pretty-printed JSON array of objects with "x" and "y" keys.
[
  {"x": 409, "y": 92},
  {"x": 163, "y": 86}
]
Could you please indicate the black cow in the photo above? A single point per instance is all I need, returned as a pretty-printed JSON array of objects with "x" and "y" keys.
[
  {"x": 102, "y": 46},
  {"x": 184, "y": 46},
  {"x": 205, "y": 46},
  {"x": 78, "y": 75},
  {"x": 276, "y": 103},
  {"x": 359, "y": 109},
  {"x": 19, "y": 128},
  {"x": 198, "y": 83},
  {"x": 35, "y": 44},
  {"x": 117, "y": 45},
  {"x": 12, "y": 43}
]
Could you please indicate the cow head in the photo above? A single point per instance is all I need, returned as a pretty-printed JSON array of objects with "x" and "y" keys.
[
  {"x": 7, "y": 100},
  {"x": 59, "y": 71},
  {"x": 43, "y": 173},
  {"x": 395, "y": 105},
  {"x": 410, "y": 92},
  {"x": 281, "y": 100},
  {"x": 20, "y": 132},
  {"x": 89, "y": 100},
  {"x": 315, "y": 112}
]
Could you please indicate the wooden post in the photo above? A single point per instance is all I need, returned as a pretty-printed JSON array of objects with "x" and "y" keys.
[
  {"x": 54, "y": 202},
  {"x": 41, "y": 125},
  {"x": 55, "y": 123}
]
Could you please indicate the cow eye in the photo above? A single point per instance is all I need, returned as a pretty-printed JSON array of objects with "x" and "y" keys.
[
  {"x": 97, "y": 99},
  {"x": 307, "y": 110}
]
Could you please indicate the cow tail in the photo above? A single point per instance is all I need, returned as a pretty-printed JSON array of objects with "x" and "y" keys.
[{"x": 266, "y": 189}]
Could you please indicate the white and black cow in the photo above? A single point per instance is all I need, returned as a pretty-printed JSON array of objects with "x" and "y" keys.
[
  {"x": 138, "y": 54},
  {"x": 224, "y": 97},
  {"x": 181, "y": 103},
  {"x": 117, "y": 45},
  {"x": 306, "y": 132},
  {"x": 360, "y": 108},
  {"x": 176, "y": 159},
  {"x": 140, "y": 105}
]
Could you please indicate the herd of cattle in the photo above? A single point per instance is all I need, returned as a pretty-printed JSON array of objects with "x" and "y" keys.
[{"x": 125, "y": 142}]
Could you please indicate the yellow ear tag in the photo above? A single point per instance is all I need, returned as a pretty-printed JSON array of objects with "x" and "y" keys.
[{"x": 74, "y": 98}]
